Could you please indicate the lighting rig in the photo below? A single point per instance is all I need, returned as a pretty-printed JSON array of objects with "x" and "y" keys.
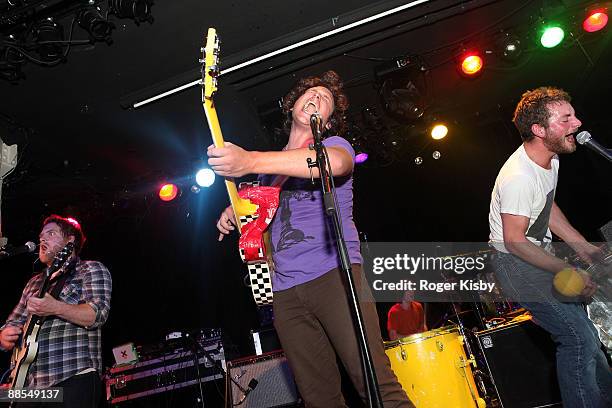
[{"x": 42, "y": 31}]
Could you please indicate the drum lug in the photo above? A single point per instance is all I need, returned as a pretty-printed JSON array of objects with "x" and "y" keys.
[
  {"x": 440, "y": 345},
  {"x": 403, "y": 353}
]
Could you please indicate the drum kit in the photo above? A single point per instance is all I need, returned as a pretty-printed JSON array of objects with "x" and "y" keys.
[
  {"x": 443, "y": 368},
  {"x": 434, "y": 370},
  {"x": 450, "y": 366}
]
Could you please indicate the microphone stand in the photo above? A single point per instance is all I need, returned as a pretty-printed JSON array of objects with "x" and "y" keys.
[
  {"x": 198, "y": 347},
  {"x": 328, "y": 190}
]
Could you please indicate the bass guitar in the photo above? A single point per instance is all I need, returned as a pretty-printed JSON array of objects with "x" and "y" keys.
[{"x": 254, "y": 206}]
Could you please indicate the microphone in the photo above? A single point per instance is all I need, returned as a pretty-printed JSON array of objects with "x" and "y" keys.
[
  {"x": 585, "y": 138},
  {"x": 315, "y": 123},
  {"x": 23, "y": 249}
]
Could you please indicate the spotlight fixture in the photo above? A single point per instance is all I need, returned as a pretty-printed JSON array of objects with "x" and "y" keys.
[
  {"x": 551, "y": 36},
  {"x": 402, "y": 99},
  {"x": 205, "y": 177},
  {"x": 139, "y": 10},
  {"x": 509, "y": 46},
  {"x": 10, "y": 71},
  {"x": 47, "y": 34},
  {"x": 470, "y": 63},
  {"x": 168, "y": 192},
  {"x": 99, "y": 28},
  {"x": 361, "y": 153},
  {"x": 595, "y": 20},
  {"x": 439, "y": 131}
]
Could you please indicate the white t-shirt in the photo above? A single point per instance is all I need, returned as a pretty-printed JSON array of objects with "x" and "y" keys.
[{"x": 523, "y": 188}]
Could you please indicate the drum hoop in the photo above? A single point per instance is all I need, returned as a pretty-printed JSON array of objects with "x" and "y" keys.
[{"x": 418, "y": 337}]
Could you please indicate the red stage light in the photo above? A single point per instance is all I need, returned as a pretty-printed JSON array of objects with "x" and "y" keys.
[
  {"x": 595, "y": 21},
  {"x": 471, "y": 64},
  {"x": 168, "y": 192}
]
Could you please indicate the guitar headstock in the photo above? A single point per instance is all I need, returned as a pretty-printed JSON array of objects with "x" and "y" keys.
[
  {"x": 61, "y": 257},
  {"x": 210, "y": 64}
]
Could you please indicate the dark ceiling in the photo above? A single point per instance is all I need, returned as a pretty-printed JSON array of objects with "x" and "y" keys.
[{"x": 82, "y": 153}]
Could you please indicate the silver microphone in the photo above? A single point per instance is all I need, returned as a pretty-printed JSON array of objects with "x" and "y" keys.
[
  {"x": 315, "y": 123},
  {"x": 23, "y": 249},
  {"x": 585, "y": 138}
]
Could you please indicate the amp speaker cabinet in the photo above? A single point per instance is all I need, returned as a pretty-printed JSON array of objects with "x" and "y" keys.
[
  {"x": 520, "y": 357},
  {"x": 269, "y": 379}
]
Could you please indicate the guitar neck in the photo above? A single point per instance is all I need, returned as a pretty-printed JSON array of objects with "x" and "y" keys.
[{"x": 217, "y": 136}]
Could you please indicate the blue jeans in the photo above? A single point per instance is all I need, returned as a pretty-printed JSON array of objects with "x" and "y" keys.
[{"x": 585, "y": 379}]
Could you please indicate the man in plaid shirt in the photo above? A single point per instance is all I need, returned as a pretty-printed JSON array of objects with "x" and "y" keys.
[{"x": 69, "y": 351}]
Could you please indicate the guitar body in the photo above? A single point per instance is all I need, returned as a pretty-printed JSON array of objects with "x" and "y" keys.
[
  {"x": 254, "y": 206},
  {"x": 25, "y": 355},
  {"x": 600, "y": 308}
]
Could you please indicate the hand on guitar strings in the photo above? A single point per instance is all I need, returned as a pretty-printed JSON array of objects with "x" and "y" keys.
[
  {"x": 230, "y": 160},
  {"x": 45, "y": 306},
  {"x": 227, "y": 222},
  {"x": 588, "y": 252},
  {"x": 9, "y": 336}
]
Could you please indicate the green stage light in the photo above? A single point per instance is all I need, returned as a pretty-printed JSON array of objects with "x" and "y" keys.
[{"x": 552, "y": 36}]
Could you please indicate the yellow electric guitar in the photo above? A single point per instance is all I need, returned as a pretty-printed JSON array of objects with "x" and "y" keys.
[{"x": 254, "y": 206}]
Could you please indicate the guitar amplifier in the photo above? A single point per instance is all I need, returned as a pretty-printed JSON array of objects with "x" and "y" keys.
[
  {"x": 266, "y": 382},
  {"x": 521, "y": 358},
  {"x": 172, "y": 370}
]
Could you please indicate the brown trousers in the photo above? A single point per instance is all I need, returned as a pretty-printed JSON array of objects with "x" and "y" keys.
[{"x": 314, "y": 323}]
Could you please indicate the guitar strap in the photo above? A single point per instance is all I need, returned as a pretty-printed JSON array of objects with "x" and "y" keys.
[{"x": 60, "y": 280}]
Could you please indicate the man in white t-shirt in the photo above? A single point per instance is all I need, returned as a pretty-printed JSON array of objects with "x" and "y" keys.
[{"x": 521, "y": 217}]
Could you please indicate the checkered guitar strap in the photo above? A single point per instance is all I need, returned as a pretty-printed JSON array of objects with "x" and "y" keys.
[{"x": 253, "y": 245}]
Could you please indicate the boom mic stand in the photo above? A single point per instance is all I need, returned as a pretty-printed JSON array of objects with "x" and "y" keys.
[{"x": 328, "y": 190}]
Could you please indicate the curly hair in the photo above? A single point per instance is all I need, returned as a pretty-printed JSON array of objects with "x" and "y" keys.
[
  {"x": 330, "y": 80},
  {"x": 68, "y": 226},
  {"x": 533, "y": 109}
]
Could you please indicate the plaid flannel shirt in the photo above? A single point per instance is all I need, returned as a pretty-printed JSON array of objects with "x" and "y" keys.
[{"x": 64, "y": 348}]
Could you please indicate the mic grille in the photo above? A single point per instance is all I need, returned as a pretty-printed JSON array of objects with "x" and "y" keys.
[
  {"x": 31, "y": 246},
  {"x": 583, "y": 137}
]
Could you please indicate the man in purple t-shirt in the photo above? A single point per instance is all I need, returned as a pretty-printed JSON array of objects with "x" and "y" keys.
[{"x": 311, "y": 310}]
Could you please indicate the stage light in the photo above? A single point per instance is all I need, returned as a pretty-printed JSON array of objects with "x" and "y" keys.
[
  {"x": 509, "y": 46},
  {"x": 439, "y": 131},
  {"x": 471, "y": 64},
  {"x": 595, "y": 21},
  {"x": 402, "y": 98},
  {"x": 99, "y": 28},
  {"x": 47, "y": 33},
  {"x": 205, "y": 177},
  {"x": 139, "y": 10},
  {"x": 168, "y": 192},
  {"x": 10, "y": 71},
  {"x": 552, "y": 36},
  {"x": 361, "y": 153},
  {"x": 361, "y": 157}
]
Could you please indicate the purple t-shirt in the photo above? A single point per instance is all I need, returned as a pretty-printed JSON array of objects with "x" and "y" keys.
[{"x": 303, "y": 242}]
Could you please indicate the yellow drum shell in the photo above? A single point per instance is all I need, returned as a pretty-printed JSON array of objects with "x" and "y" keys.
[{"x": 433, "y": 369}]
